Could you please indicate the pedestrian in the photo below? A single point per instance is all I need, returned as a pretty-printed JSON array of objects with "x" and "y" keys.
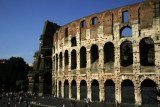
[{"x": 63, "y": 105}]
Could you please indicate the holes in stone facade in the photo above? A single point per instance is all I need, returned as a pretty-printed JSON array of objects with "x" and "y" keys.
[
  {"x": 73, "y": 59},
  {"x": 147, "y": 55},
  {"x": 94, "y": 53},
  {"x": 126, "y": 32},
  {"x": 126, "y": 54},
  {"x": 47, "y": 87},
  {"x": 127, "y": 91},
  {"x": 125, "y": 16},
  {"x": 73, "y": 89},
  {"x": 108, "y": 52},
  {"x": 148, "y": 89},
  {"x": 109, "y": 91},
  {"x": 83, "y": 24},
  {"x": 83, "y": 57},
  {"x": 66, "y": 57},
  {"x": 83, "y": 90},
  {"x": 60, "y": 60},
  {"x": 95, "y": 90},
  {"x": 139, "y": 16},
  {"x": 94, "y": 21},
  {"x": 73, "y": 41}
]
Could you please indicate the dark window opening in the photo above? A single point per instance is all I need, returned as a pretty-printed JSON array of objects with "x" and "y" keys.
[
  {"x": 36, "y": 83},
  {"x": 73, "y": 89},
  {"x": 125, "y": 16},
  {"x": 48, "y": 63},
  {"x": 126, "y": 32},
  {"x": 94, "y": 53},
  {"x": 94, "y": 21},
  {"x": 148, "y": 91},
  {"x": 66, "y": 57},
  {"x": 83, "y": 57},
  {"x": 73, "y": 60},
  {"x": 66, "y": 32},
  {"x": 83, "y": 24},
  {"x": 147, "y": 54},
  {"x": 83, "y": 90},
  {"x": 127, "y": 91},
  {"x": 126, "y": 54},
  {"x": 139, "y": 16},
  {"x": 95, "y": 90},
  {"x": 66, "y": 89},
  {"x": 108, "y": 52},
  {"x": 73, "y": 41},
  {"x": 60, "y": 89},
  {"x": 60, "y": 60},
  {"x": 109, "y": 91}
]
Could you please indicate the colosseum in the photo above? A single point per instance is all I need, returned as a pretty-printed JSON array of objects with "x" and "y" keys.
[{"x": 108, "y": 56}]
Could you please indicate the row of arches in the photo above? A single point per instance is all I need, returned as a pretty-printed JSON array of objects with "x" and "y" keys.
[
  {"x": 146, "y": 50},
  {"x": 148, "y": 87}
]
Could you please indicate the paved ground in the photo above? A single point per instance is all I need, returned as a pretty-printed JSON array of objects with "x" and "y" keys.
[{"x": 50, "y": 101}]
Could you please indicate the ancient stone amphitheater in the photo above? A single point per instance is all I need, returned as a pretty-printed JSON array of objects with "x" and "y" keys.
[{"x": 108, "y": 56}]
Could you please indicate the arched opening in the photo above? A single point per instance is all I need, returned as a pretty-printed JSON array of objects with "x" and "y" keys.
[
  {"x": 126, "y": 32},
  {"x": 147, "y": 54},
  {"x": 94, "y": 54},
  {"x": 83, "y": 90},
  {"x": 73, "y": 59},
  {"x": 73, "y": 41},
  {"x": 56, "y": 61},
  {"x": 36, "y": 83},
  {"x": 148, "y": 89},
  {"x": 109, "y": 91},
  {"x": 74, "y": 89},
  {"x": 66, "y": 58},
  {"x": 60, "y": 60},
  {"x": 126, "y": 54},
  {"x": 95, "y": 90},
  {"x": 127, "y": 92},
  {"x": 47, "y": 89},
  {"x": 60, "y": 95},
  {"x": 83, "y": 57},
  {"x": 108, "y": 52},
  {"x": 66, "y": 89}
]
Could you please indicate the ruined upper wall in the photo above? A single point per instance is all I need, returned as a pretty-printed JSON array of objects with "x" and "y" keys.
[{"x": 142, "y": 12}]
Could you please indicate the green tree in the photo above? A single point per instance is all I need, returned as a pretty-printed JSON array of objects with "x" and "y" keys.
[{"x": 19, "y": 71}]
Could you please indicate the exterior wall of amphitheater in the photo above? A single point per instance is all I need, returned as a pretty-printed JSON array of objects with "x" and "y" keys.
[{"x": 80, "y": 51}]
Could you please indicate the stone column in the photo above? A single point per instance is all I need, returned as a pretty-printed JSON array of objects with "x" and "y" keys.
[
  {"x": 136, "y": 58},
  {"x": 88, "y": 57},
  {"x": 89, "y": 93},
  {"x": 118, "y": 90},
  {"x": 41, "y": 85},
  {"x": 101, "y": 61},
  {"x": 78, "y": 60},
  {"x": 31, "y": 83},
  {"x": 137, "y": 91},
  {"x": 78, "y": 90},
  {"x": 62, "y": 89},
  {"x": 42, "y": 62},
  {"x": 101, "y": 94},
  {"x": 69, "y": 60},
  {"x": 157, "y": 57},
  {"x": 63, "y": 62},
  {"x": 117, "y": 59}
]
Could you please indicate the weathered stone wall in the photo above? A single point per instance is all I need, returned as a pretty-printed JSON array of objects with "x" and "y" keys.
[{"x": 143, "y": 20}]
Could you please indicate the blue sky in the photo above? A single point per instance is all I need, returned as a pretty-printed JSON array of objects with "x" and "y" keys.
[{"x": 22, "y": 21}]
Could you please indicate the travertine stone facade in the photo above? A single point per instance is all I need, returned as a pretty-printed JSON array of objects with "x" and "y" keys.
[{"x": 109, "y": 56}]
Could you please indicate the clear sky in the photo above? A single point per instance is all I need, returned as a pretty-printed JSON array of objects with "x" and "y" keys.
[{"x": 22, "y": 21}]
